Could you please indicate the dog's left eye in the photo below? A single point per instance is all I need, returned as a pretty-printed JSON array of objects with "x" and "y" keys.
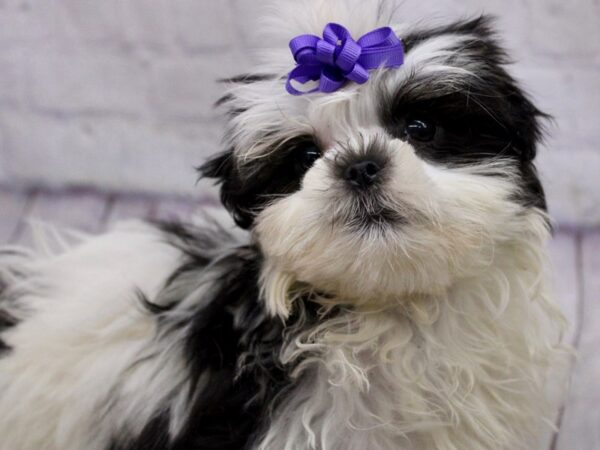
[
  {"x": 420, "y": 129},
  {"x": 305, "y": 156}
]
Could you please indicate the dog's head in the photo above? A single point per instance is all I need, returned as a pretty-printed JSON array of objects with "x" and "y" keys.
[{"x": 396, "y": 186}]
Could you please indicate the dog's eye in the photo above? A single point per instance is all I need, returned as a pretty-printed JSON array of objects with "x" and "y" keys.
[
  {"x": 420, "y": 129},
  {"x": 305, "y": 156}
]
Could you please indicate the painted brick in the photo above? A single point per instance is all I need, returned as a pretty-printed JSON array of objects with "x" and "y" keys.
[
  {"x": 4, "y": 158},
  {"x": 147, "y": 27},
  {"x": 118, "y": 23},
  {"x": 246, "y": 14},
  {"x": 201, "y": 24},
  {"x": 564, "y": 31},
  {"x": 81, "y": 82},
  {"x": 11, "y": 88},
  {"x": 26, "y": 21},
  {"x": 113, "y": 154},
  {"x": 571, "y": 183},
  {"x": 572, "y": 98},
  {"x": 115, "y": 24},
  {"x": 187, "y": 89},
  {"x": 90, "y": 21}
]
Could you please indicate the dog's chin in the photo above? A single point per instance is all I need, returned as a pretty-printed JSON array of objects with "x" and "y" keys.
[{"x": 375, "y": 257}]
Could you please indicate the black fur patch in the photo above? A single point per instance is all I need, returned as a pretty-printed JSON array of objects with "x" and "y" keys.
[
  {"x": 231, "y": 347},
  {"x": 245, "y": 190},
  {"x": 7, "y": 320},
  {"x": 481, "y": 25},
  {"x": 482, "y": 118},
  {"x": 248, "y": 78}
]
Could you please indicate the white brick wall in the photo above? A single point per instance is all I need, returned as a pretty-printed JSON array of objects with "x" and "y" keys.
[{"x": 118, "y": 93}]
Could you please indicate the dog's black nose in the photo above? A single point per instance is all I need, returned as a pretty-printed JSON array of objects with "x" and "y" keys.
[{"x": 362, "y": 174}]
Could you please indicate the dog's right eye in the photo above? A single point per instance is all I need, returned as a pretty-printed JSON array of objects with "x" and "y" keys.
[{"x": 305, "y": 156}]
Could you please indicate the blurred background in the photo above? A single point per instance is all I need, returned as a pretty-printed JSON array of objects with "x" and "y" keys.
[
  {"x": 118, "y": 94},
  {"x": 106, "y": 106}
]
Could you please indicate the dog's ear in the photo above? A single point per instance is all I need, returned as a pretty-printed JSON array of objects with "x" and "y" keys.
[{"x": 234, "y": 197}]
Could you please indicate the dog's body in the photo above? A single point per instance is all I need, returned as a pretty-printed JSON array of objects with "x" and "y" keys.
[{"x": 391, "y": 292}]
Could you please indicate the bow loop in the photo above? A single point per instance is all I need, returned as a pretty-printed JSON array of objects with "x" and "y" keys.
[
  {"x": 334, "y": 33},
  {"x": 381, "y": 37},
  {"x": 302, "y": 46},
  {"x": 338, "y": 58},
  {"x": 348, "y": 55},
  {"x": 325, "y": 52}
]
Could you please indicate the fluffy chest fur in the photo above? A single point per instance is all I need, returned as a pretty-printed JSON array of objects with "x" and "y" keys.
[{"x": 462, "y": 370}]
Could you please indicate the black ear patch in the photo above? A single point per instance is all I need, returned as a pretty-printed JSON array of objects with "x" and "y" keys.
[
  {"x": 234, "y": 195},
  {"x": 483, "y": 118},
  {"x": 247, "y": 189}
]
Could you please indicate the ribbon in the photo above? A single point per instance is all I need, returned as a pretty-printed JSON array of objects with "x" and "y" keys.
[{"x": 338, "y": 58}]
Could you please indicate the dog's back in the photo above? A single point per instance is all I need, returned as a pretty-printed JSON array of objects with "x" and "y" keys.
[{"x": 119, "y": 341}]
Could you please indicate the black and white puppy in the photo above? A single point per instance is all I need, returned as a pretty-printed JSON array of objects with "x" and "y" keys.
[{"x": 390, "y": 291}]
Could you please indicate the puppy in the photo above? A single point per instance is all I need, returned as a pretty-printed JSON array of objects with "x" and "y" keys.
[{"x": 384, "y": 286}]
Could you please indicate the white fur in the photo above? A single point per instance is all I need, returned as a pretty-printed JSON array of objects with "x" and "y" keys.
[
  {"x": 465, "y": 369},
  {"x": 86, "y": 363},
  {"x": 447, "y": 330},
  {"x": 84, "y": 328}
]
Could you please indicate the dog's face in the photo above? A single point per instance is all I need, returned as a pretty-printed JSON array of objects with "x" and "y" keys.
[{"x": 397, "y": 186}]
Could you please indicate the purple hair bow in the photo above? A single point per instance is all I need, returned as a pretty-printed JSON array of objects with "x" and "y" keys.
[{"x": 337, "y": 57}]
